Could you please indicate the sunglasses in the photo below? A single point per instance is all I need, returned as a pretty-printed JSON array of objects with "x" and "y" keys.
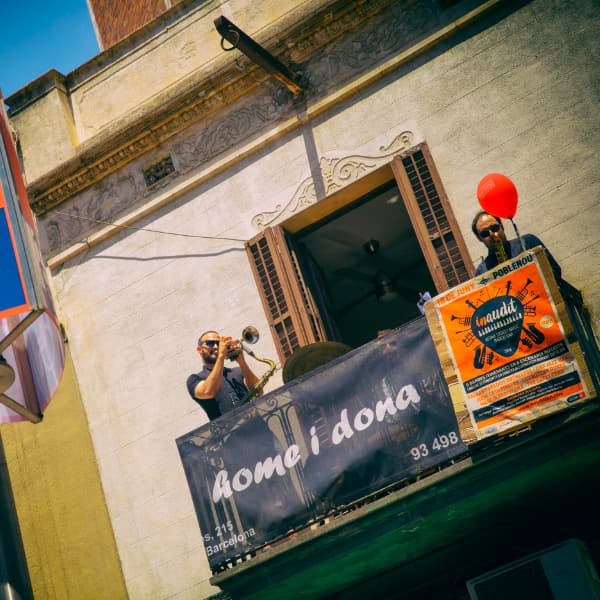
[
  {"x": 484, "y": 233},
  {"x": 210, "y": 343}
]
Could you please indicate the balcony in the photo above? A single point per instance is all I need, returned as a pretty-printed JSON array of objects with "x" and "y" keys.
[{"x": 362, "y": 475}]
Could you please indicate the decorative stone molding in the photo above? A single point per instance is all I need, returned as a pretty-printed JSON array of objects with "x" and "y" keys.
[
  {"x": 219, "y": 135},
  {"x": 110, "y": 153},
  {"x": 158, "y": 171},
  {"x": 225, "y": 110},
  {"x": 82, "y": 213},
  {"x": 94, "y": 208},
  {"x": 215, "y": 89},
  {"x": 337, "y": 173},
  {"x": 332, "y": 46}
]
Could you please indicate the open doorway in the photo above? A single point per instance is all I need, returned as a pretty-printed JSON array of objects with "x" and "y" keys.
[
  {"x": 353, "y": 263},
  {"x": 370, "y": 266}
]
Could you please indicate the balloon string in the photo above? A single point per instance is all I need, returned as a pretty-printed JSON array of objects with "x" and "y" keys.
[{"x": 518, "y": 235}]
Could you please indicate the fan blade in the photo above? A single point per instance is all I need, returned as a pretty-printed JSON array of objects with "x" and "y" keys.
[
  {"x": 384, "y": 282},
  {"x": 407, "y": 293},
  {"x": 345, "y": 309},
  {"x": 409, "y": 288},
  {"x": 354, "y": 274}
]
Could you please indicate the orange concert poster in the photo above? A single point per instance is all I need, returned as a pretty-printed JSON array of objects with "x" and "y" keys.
[{"x": 508, "y": 346}]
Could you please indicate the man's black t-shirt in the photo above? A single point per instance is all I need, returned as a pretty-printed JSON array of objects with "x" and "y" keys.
[{"x": 230, "y": 395}]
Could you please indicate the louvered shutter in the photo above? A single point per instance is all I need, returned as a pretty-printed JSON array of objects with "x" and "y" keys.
[
  {"x": 432, "y": 218},
  {"x": 288, "y": 303}
]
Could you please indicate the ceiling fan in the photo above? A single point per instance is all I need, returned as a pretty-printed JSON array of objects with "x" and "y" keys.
[{"x": 383, "y": 286}]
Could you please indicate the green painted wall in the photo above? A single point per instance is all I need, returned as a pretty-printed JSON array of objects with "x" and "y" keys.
[{"x": 65, "y": 527}]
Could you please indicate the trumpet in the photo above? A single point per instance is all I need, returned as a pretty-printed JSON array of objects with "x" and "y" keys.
[{"x": 250, "y": 335}]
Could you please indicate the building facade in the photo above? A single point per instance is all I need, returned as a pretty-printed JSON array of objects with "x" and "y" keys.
[{"x": 179, "y": 187}]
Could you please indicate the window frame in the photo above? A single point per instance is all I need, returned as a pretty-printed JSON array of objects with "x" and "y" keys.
[{"x": 291, "y": 310}]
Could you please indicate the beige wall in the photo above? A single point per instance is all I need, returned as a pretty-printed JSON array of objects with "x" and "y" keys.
[
  {"x": 133, "y": 310},
  {"x": 520, "y": 98}
]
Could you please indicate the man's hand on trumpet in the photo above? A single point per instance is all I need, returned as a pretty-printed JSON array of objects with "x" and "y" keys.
[
  {"x": 226, "y": 349},
  {"x": 233, "y": 348}
]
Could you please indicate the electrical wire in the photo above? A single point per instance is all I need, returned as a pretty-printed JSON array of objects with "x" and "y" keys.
[{"x": 188, "y": 235}]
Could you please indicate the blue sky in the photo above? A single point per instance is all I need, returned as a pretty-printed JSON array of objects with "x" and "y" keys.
[{"x": 39, "y": 35}]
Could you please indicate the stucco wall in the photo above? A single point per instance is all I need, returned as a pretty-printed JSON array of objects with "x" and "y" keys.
[
  {"x": 520, "y": 97},
  {"x": 134, "y": 309}
]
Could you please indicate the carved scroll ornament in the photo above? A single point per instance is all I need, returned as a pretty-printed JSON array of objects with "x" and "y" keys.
[{"x": 337, "y": 173}]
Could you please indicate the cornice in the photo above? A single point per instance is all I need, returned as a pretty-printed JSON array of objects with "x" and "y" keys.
[
  {"x": 137, "y": 133},
  {"x": 204, "y": 150},
  {"x": 192, "y": 101}
]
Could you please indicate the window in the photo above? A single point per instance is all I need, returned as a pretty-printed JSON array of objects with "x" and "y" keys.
[
  {"x": 355, "y": 263},
  {"x": 432, "y": 218},
  {"x": 293, "y": 317}
]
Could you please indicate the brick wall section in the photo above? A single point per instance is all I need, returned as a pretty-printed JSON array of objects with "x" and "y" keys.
[{"x": 116, "y": 19}]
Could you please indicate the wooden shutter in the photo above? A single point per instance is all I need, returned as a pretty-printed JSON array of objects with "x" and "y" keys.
[
  {"x": 432, "y": 218},
  {"x": 288, "y": 303}
]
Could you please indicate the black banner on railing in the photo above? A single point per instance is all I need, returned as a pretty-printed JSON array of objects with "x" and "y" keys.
[{"x": 369, "y": 419}]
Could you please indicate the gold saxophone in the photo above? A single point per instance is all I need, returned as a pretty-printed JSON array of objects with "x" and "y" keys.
[
  {"x": 250, "y": 335},
  {"x": 260, "y": 384},
  {"x": 500, "y": 250}
]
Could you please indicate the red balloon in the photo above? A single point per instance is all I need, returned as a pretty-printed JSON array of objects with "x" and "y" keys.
[{"x": 498, "y": 196}]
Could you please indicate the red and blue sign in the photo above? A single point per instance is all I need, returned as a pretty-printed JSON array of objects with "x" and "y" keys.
[
  {"x": 30, "y": 337},
  {"x": 13, "y": 296}
]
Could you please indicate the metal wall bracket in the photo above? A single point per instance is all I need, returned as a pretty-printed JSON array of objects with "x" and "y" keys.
[{"x": 256, "y": 53}]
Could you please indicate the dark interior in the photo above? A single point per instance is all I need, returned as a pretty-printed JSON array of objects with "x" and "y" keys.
[{"x": 370, "y": 267}]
